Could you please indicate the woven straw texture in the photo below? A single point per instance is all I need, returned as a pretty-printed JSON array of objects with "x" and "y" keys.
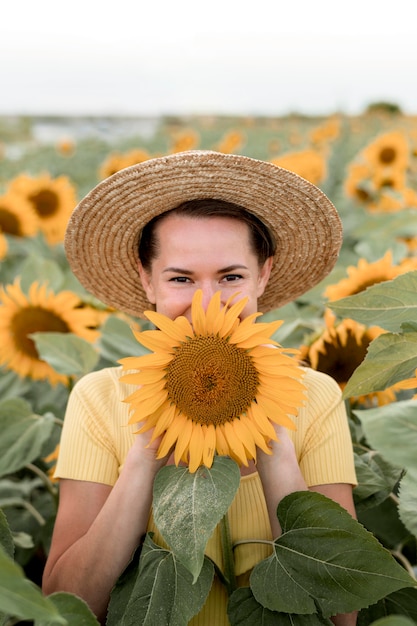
[{"x": 102, "y": 235}]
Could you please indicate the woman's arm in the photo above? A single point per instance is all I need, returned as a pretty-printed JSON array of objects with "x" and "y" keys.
[{"x": 98, "y": 528}]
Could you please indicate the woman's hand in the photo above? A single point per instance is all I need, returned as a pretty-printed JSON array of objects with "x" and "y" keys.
[
  {"x": 280, "y": 474},
  {"x": 145, "y": 449}
]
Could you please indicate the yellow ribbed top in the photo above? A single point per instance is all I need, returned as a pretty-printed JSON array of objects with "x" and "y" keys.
[{"x": 95, "y": 441}]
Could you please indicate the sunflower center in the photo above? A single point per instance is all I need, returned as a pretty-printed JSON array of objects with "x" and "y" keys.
[
  {"x": 45, "y": 202},
  {"x": 34, "y": 319},
  {"x": 342, "y": 358},
  {"x": 9, "y": 223},
  {"x": 211, "y": 381},
  {"x": 387, "y": 155}
]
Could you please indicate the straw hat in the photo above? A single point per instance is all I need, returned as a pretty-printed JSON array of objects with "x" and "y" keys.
[{"x": 102, "y": 236}]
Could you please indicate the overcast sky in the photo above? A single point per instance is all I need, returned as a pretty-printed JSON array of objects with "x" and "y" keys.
[{"x": 220, "y": 56}]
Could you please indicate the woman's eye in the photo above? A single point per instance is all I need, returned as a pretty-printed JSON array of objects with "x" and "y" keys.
[
  {"x": 179, "y": 279},
  {"x": 232, "y": 277}
]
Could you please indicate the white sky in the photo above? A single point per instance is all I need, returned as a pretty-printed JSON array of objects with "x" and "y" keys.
[{"x": 220, "y": 56}]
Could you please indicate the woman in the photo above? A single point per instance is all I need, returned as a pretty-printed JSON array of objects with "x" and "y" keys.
[{"x": 149, "y": 237}]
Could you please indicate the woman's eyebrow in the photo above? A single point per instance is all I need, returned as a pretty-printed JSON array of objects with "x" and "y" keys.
[
  {"x": 229, "y": 268},
  {"x": 177, "y": 270}
]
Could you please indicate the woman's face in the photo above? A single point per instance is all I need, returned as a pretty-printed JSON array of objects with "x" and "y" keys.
[{"x": 211, "y": 254}]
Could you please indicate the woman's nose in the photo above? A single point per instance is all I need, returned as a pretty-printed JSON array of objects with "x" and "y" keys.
[{"x": 208, "y": 292}]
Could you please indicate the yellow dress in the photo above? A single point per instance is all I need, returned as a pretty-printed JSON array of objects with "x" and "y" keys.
[{"x": 95, "y": 441}]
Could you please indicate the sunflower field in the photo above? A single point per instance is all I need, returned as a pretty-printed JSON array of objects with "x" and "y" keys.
[{"x": 359, "y": 325}]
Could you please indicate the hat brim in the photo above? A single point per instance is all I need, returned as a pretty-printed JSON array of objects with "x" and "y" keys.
[{"x": 102, "y": 236}]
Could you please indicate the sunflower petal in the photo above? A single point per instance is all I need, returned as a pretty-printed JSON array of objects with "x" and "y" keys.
[
  {"x": 234, "y": 443},
  {"x": 168, "y": 326},
  {"x": 197, "y": 314},
  {"x": 171, "y": 436},
  {"x": 209, "y": 433},
  {"x": 196, "y": 448},
  {"x": 183, "y": 441}
]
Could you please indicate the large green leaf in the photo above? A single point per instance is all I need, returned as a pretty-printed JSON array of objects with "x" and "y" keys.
[
  {"x": 188, "y": 507},
  {"x": 394, "y": 620},
  {"x": 244, "y": 610},
  {"x": 22, "y": 434},
  {"x": 376, "y": 479},
  {"x": 390, "y": 358},
  {"x": 159, "y": 591},
  {"x": 73, "y": 609},
  {"x": 19, "y": 597},
  {"x": 388, "y": 305},
  {"x": 67, "y": 353},
  {"x": 408, "y": 501},
  {"x": 6, "y": 539},
  {"x": 117, "y": 340},
  {"x": 392, "y": 430},
  {"x": 402, "y": 602},
  {"x": 324, "y": 556}
]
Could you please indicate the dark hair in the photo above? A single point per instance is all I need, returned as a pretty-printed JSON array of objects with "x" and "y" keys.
[{"x": 261, "y": 238}]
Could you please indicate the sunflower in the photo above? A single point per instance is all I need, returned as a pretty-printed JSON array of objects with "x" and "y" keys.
[
  {"x": 232, "y": 141},
  {"x": 340, "y": 349},
  {"x": 357, "y": 184},
  {"x": 117, "y": 161},
  {"x": 215, "y": 385},
  {"x": 388, "y": 150},
  {"x": 362, "y": 276},
  {"x": 17, "y": 216},
  {"x": 187, "y": 139},
  {"x": 309, "y": 164},
  {"x": 53, "y": 200},
  {"x": 3, "y": 246},
  {"x": 39, "y": 311}
]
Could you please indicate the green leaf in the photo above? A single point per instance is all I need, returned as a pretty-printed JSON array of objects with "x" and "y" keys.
[
  {"x": 35, "y": 266},
  {"x": 244, "y": 610},
  {"x": 188, "y": 507},
  {"x": 394, "y": 620},
  {"x": 159, "y": 591},
  {"x": 390, "y": 358},
  {"x": 376, "y": 479},
  {"x": 19, "y": 597},
  {"x": 22, "y": 435},
  {"x": 6, "y": 538},
  {"x": 67, "y": 353},
  {"x": 392, "y": 430},
  {"x": 388, "y": 304},
  {"x": 408, "y": 502},
  {"x": 402, "y": 602},
  {"x": 117, "y": 340},
  {"x": 324, "y": 556},
  {"x": 73, "y": 609}
]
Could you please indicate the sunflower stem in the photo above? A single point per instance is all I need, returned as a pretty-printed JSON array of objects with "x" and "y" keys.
[{"x": 228, "y": 560}]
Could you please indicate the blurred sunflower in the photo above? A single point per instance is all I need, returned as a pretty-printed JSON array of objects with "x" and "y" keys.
[
  {"x": 388, "y": 150},
  {"x": 340, "y": 349},
  {"x": 40, "y": 310},
  {"x": 3, "y": 246},
  {"x": 215, "y": 385},
  {"x": 328, "y": 131},
  {"x": 310, "y": 164},
  {"x": 117, "y": 161},
  {"x": 187, "y": 139},
  {"x": 17, "y": 216},
  {"x": 357, "y": 182},
  {"x": 232, "y": 141},
  {"x": 53, "y": 200},
  {"x": 362, "y": 276}
]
